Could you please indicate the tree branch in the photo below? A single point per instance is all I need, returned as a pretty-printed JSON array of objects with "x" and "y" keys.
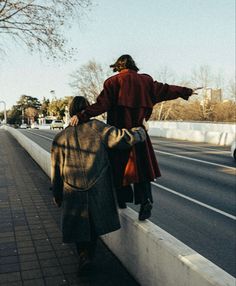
[{"x": 4, "y": 6}]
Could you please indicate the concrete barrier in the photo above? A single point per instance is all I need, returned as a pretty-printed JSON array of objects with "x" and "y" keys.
[
  {"x": 156, "y": 258},
  {"x": 151, "y": 255},
  {"x": 41, "y": 156},
  {"x": 214, "y": 133}
]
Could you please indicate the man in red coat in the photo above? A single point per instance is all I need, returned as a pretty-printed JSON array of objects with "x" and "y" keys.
[{"x": 128, "y": 98}]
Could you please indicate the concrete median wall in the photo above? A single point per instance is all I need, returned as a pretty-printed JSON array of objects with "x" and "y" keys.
[
  {"x": 151, "y": 255},
  {"x": 214, "y": 133}
]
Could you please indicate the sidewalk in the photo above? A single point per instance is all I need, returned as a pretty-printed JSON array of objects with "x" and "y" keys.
[{"x": 31, "y": 251}]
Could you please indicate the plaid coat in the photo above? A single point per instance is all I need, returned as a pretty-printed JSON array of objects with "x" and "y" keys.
[{"x": 81, "y": 176}]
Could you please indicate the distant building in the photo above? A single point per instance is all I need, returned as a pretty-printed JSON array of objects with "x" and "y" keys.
[
  {"x": 47, "y": 120},
  {"x": 214, "y": 95}
]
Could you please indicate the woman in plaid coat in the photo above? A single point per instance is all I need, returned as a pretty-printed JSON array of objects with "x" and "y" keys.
[{"x": 82, "y": 179}]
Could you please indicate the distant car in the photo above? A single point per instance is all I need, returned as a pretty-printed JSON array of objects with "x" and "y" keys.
[
  {"x": 24, "y": 126},
  {"x": 57, "y": 124},
  {"x": 233, "y": 150},
  {"x": 34, "y": 125}
]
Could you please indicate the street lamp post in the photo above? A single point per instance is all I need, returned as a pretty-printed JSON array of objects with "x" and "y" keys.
[
  {"x": 52, "y": 98},
  {"x": 22, "y": 114},
  {"x": 5, "y": 111},
  {"x": 52, "y": 92},
  {"x": 66, "y": 115}
]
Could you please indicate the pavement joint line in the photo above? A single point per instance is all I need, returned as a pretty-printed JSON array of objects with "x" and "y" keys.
[
  {"x": 196, "y": 160},
  {"x": 195, "y": 201}
]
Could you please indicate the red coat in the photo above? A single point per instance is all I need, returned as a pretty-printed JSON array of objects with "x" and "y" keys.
[{"x": 128, "y": 97}]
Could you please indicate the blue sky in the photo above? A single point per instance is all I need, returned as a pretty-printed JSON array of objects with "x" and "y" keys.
[{"x": 179, "y": 34}]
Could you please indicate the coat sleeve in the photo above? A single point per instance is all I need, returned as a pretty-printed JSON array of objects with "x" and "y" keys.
[
  {"x": 56, "y": 176},
  {"x": 102, "y": 104},
  {"x": 122, "y": 138},
  {"x": 164, "y": 92}
]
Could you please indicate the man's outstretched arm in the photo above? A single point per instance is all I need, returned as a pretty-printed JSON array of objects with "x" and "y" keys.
[{"x": 164, "y": 92}]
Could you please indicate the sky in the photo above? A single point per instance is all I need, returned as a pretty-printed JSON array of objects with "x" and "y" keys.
[{"x": 179, "y": 34}]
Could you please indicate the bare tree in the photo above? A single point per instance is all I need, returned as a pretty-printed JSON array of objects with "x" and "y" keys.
[
  {"x": 231, "y": 89},
  {"x": 165, "y": 75},
  {"x": 219, "y": 80},
  {"x": 88, "y": 80},
  {"x": 202, "y": 76},
  {"x": 224, "y": 111},
  {"x": 38, "y": 24}
]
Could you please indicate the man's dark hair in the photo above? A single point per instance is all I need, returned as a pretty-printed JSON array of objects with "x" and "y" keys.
[
  {"x": 124, "y": 62},
  {"x": 77, "y": 104}
]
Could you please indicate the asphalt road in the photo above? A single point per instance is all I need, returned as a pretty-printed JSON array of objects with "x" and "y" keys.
[{"x": 195, "y": 199}]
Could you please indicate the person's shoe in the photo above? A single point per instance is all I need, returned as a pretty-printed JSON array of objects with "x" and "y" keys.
[
  {"x": 122, "y": 205},
  {"x": 85, "y": 264},
  {"x": 145, "y": 211}
]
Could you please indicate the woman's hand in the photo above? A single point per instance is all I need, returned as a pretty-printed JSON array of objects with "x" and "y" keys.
[
  {"x": 57, "y": 202},
  {"x": 145, "y": 124},
  {"x": 74, "y": 120}
]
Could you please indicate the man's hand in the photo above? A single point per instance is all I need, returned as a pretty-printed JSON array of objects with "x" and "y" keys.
[
  {"x": 195, "y": 89},
  {"x": 74, "y": 120}
]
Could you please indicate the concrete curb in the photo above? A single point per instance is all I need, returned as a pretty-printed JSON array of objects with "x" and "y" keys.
[
  {"x": 156, "y": 258},
  {"x": 219, "y": 134},
  {"x": 151, "y": 255}
]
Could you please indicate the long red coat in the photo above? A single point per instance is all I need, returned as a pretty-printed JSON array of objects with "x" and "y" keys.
[{"x": 128, "y": 97}]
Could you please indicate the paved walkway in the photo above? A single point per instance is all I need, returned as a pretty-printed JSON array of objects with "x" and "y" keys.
[{"x": 31, "y": 251}]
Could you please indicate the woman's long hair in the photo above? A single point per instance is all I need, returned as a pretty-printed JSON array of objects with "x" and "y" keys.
[{"x": 77, "y": 104}]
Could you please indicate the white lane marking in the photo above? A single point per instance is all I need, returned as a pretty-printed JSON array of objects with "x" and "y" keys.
[
  {"x": 190, "y": 146},
  {"x": 195, "y": 201},
  {"x": 48, "y": 138},
  {"x": 174, "y": 144},
  {"x": 196, "y": 160}
]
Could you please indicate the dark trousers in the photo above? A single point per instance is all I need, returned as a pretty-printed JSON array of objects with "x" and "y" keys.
[
  {"x": 88, "y": 248},
  {"x": 138, "y": 192}
]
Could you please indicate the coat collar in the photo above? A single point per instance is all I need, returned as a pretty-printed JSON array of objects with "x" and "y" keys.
[{"x": 127, "y": 70}]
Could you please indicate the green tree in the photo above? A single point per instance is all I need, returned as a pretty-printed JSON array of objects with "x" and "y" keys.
[
  {"x": 1, "y": 115},
  {"x": 14, "y": 115},
  {"x": 28, "y": 101},
  {"x": 44, "y": 106},
  {"x": 31, "y": 113},
  {"x": 23, "y": 104},
  {"x": 57, "y": 107}
]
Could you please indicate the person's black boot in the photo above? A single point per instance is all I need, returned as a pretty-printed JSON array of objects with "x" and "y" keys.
[
  {"x": 122, "y": 205},
  {"x": 85, "y": 263},
  {"x": 145, "y": 210}
]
